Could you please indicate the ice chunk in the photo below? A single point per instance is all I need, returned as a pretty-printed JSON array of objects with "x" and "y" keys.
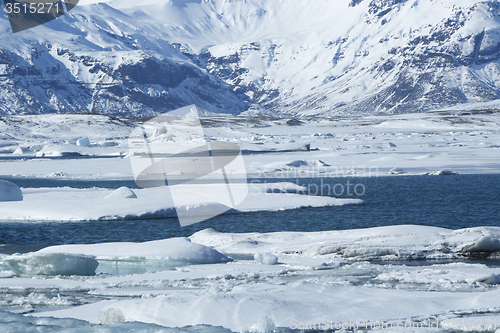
[
  {"x": 397, "y": 171},
  {"x": 266, "y": 258},
  {"x": 176, "y": 249},
  {"x": 285, "y": 187},
  {"x": 109, "y": 143},
  {"x": 52, "y": 264},
  {"x": 10, "y": 191},
  {"x": 21, "y": 151},
  {"x": 442, "y": 173},
  {"x": 123, "y": 192},
  {"x": 84, "y": 142},
  {"x": 305, "y": 163}
]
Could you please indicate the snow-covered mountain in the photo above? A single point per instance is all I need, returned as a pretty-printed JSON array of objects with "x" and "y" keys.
[{"x": 307, "y": 57}]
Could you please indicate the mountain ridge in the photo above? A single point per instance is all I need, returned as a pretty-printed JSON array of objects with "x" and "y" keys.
[{"x": 302, "y": 58}]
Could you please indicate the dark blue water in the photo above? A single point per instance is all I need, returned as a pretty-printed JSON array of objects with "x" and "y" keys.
[{"x": 445, "y": 201}]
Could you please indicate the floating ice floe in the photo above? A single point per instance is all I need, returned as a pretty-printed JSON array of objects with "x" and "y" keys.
[
  {"x": 10, "y": 191},
  {"x": 67, "y": 204},
  {"x": 175, "y": 250},
  {"x": 406, "y": 242},
  {"x": 305, "y": 163}
]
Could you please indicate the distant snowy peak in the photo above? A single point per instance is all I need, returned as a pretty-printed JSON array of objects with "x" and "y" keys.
[{"x": 304, "y": 57}]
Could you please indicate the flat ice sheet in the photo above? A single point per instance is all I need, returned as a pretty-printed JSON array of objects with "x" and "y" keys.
[{"x": 67, "y": 204}]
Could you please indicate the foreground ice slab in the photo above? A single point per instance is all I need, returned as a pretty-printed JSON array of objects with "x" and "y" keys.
[
  {"x": 295, "y": 280},
  {"x": 302, "y": 305}
]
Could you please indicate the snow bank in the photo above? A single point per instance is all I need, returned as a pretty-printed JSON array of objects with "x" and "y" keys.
[
  {"x": 175, "y": 249},
  {"x": 52, "y": 264},
  {"x": 10, "y": 191}
]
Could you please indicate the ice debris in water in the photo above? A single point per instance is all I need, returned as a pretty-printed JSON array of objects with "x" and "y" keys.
[{"x": 442, "y": 173}]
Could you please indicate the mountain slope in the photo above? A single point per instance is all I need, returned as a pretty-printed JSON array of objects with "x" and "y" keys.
[{"x": 307, "y": 57}]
